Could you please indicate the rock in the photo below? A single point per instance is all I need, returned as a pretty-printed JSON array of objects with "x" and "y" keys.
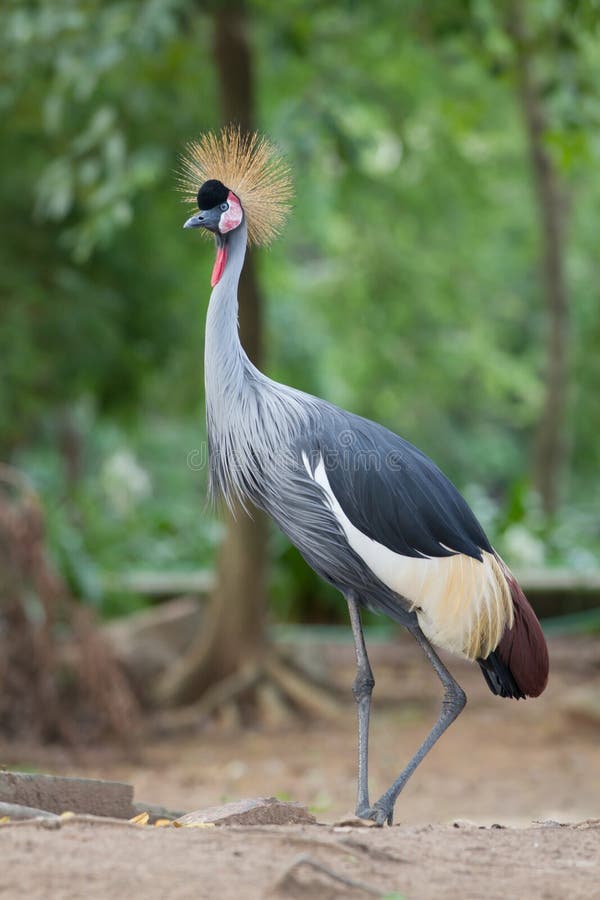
[
  {"x": 17, "y": 812},
  {"x": 155, "y": 811},
  {"x": 56, "y": 794},
  {"x": 255, "y": 811}
]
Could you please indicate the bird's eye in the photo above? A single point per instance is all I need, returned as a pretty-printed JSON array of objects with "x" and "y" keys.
[{"x": 224, "y": 206}]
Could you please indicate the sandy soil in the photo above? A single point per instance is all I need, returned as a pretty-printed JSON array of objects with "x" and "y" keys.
[
  {"x": 525, "y": 766},
  {"x": 106, "y": 861}
]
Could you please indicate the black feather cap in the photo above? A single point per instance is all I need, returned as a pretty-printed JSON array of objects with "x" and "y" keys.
[{"x": 211, "y": 194}]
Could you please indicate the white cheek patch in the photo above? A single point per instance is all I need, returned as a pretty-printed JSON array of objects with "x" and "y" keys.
[{"x": 233, "y": 216}]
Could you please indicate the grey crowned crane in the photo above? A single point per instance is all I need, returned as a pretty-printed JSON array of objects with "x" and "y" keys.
[{"x": 368, "y": 511}]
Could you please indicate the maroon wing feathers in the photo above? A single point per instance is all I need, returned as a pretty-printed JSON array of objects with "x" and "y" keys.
[{"x": 522, "y": 648}]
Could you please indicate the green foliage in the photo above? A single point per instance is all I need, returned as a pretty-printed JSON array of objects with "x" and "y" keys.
[
  {"x": 405, "y": 288},
  {"x": 140, "y": 505},
  {"x": 88, "y": 90}
]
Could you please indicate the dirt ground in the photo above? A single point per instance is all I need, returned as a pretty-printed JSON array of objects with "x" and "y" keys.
[{"x": 531, "y": 767}]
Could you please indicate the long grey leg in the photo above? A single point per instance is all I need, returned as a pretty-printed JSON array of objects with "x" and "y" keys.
[
  {"x": 362, "y": 690},
  {"x": 452, "y": 705}
]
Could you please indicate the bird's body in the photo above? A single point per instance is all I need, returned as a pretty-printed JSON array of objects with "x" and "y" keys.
[{"x": 368, "y": 511}]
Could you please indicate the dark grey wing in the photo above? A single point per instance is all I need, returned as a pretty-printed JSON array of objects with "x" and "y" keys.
[
  {"x": 294, "y": 500},
  {"x": 394, "y": 493}
]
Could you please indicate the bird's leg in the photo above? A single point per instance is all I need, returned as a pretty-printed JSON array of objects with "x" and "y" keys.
[
  {"x": 453, "y": 703},
  {"x": 362, "y": 690}
]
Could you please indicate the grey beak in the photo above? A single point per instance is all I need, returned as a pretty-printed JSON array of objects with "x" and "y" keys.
[
  {"x": 206, "y": 218},
  {"x": 196, "y": 221}
]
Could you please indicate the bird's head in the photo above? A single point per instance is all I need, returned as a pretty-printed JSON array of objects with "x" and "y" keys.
[
  {"x": 220, "y": 209},
  {"x": 242, "y": 178},
  {"x": 220, "y": 212}
]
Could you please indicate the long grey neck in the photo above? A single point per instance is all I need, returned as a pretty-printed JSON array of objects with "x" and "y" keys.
[
  {"x": 225, "y": 362},
  {"x": 252, "y": 421}
]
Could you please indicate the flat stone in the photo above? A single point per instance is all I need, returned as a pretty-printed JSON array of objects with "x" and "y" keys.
[
  {"x": 57, "y": 794},
  {"x": 155, "y": 811},
  {"x": 254, "y": 811},
  {"x": 17, "y": 812}
]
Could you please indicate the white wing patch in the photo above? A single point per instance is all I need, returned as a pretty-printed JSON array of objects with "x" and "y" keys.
[{"x": 462, "y": 604}]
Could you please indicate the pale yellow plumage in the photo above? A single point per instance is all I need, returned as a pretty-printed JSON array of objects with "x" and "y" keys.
[
  {"x": 462, "y": 604},
  {"x": 249, "y": 165}
]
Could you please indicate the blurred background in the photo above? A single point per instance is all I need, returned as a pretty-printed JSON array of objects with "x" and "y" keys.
[{"x": 439, "y": 273}]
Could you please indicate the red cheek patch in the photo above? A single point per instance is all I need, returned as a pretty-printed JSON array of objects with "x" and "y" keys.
[
  {"x": 233, "y": 216},
  {"x": 218, "y": 266}
]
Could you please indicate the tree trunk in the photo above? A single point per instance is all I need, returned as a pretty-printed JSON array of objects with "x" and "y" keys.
[
  {"x": 234, "y": 634},
  {"x": 551, "y": 445}
]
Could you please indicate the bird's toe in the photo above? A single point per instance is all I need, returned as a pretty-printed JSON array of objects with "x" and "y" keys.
[
  {"x": 378, "y": 814},
  {"x": 384, "y": 812},
  {"x": 365, "y": 812},
  {"x": 380, "y": 817}
]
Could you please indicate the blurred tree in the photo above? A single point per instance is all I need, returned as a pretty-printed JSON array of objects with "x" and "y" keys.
[
  {"x": 230, "y": 661},
  {"x": 551, "y": 439},
  {"x": 233, "y": 635}
]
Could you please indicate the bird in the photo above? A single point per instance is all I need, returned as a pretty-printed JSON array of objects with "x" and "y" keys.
[{"x": 368, "y": 511}]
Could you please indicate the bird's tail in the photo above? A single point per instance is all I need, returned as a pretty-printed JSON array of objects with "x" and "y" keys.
[{"x": 518, "y": 667}]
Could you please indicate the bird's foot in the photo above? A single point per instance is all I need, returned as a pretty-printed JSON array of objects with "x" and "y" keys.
[{"x": 379, "y": 813}]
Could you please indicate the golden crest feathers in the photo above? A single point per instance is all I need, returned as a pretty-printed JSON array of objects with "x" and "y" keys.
[{"x": 249, "y": 165}]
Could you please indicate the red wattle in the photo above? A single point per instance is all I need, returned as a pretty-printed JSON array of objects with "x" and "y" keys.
[{"x": 218, "y": 266}]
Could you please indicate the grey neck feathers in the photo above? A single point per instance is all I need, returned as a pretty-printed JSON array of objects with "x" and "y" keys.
[
  {"x": 224, "y": 357},
  {"x": 252, "y": 422}
]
